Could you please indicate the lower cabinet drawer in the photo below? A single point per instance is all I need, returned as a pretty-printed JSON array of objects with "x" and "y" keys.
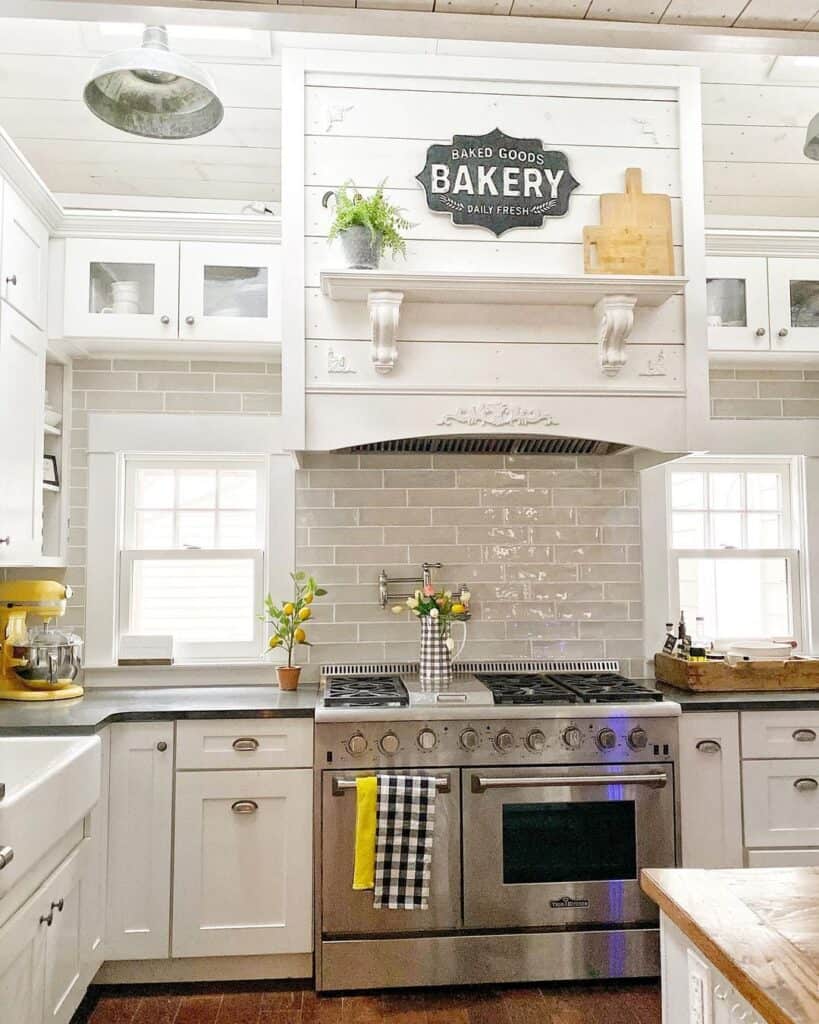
[
  {"x": 244, "y": 743},
  {"x": 243, "y": 875},
  {"x": 783, "y": 858},
  {"x": 768, "y": 734},
  {"x": 781, "y": 802}
]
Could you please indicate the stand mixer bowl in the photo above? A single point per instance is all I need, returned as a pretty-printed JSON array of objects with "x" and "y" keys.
[{"x": 51, "y": 659}]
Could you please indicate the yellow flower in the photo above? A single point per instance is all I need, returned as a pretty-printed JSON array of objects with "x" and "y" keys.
[
  {"x": 397, "y": 609},
  {"x": 308, "y": 598},
  {"x": 274, "y": 641},
  {"x": 288, "y": 608},
  {"x": 304, "y": 614},
  {"x": 299, "y": 635},
  {"x": 458, "y": 608}
]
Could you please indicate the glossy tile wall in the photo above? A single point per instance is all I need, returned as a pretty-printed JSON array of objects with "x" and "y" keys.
[
  {"x": 745, "y": 393},
  {"x": 549, "y": 547}
]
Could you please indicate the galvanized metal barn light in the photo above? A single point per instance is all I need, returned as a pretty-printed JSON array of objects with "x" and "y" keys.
[
  {"x": 150, "y": 91},
  {"x": 811, "y": 149}
]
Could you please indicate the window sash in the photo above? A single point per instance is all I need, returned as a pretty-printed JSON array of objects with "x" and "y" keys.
[{"x": 187, "y": 651}]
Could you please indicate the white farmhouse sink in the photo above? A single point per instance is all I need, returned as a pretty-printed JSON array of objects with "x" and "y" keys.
[{"x": 51, "y": 783}]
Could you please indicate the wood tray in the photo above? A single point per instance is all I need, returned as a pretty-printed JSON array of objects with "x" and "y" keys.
[{"x": 720, "y": 677}]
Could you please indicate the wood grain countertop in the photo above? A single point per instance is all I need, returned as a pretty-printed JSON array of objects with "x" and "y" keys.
[{"x": 758, "y": 926}]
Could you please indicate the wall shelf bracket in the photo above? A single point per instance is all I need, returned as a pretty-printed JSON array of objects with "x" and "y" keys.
[
  {"x": 385, "y": 313},
  {"x": 615, "y": 314}
]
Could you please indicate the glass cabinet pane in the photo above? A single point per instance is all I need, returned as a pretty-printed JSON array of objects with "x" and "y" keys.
[
  {"x": 727, "y": 304},
  {"x": 125, "y": 289},
  {"x": 235, "y": 291},
  {"x": 804, "y": 303}
]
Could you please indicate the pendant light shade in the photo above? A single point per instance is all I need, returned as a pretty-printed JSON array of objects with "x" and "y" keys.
[
  {"x": 811, "y": 149},
  {"x": 153, "y": 92}
]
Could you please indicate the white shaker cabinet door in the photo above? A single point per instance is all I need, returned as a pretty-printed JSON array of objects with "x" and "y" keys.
[
  {"x": 64, "y": 982},
  {"x": 243, "y": 862},
  {"x": 24, "y": 261},
  {"x": 710, "y": 795},
  {"x": 139, "y": 841},
  {"x": 22, "y": 397},
  {"x": 22, "y": 952},
  {"x": 781, "y": 802},
  {"x": 793, "y": 286},
  {"x": 737, "y": 303}
]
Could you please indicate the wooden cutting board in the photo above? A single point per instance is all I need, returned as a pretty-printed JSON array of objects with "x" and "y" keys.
[{"x": 634, "y": 236}]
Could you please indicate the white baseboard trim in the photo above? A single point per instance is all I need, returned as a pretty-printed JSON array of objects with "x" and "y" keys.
[{"x": 206, "y": 968}]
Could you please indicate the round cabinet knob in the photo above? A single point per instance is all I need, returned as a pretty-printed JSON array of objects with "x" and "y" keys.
[
  {"x": 427, "y": 740},
  {"x": 504, "y": 741},
  {"x": 536, "y": 741},
  {"x": 189, "y": 320},
  {"x": 12, "y": 279},
  {"x": 389, "y": 743},
  {"x": 607, "y": 739},
  {"x": 470, "y": 740},
  {"x": 356, "y": 745},
  {"x": 162, "y": 746},
  {"x": 638, "y": 739},
  {"x": 165, "y": 319},
  {"x": 572, "y": 737},
  {"x": 5, "y": 540},
  {"x": 782, "y": 332},
  {"x": 760, "y": 332}
]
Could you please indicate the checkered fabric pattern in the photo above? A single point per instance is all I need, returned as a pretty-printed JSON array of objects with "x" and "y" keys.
[
  {"x": 435, "y": 666},
  {"x": 403, "y": 842}
]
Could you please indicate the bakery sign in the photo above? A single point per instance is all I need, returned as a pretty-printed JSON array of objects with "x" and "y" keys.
[{"x": 497, "y": 181}]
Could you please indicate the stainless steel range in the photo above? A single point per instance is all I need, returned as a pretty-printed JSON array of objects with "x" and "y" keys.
[{"x": 556, "y": 784}]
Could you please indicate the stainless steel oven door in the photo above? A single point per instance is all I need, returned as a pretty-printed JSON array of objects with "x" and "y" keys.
[
  {"x": 563, "y": 847},
  {"x": 348, "y": 912}
]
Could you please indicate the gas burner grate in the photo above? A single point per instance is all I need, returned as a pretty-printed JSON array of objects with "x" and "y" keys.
[
  {"x": 509, "y": 688},
  {"x": 605, "y": 688},
  {"x": 365, "y": 692}
]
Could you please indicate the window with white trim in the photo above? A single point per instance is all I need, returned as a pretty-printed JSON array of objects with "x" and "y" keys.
[
  {"x": 192, "y": 563},
  {"x": 734, "y": 550}
]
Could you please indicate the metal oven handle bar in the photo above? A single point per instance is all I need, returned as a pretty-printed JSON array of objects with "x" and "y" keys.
[
  {"x": 340, "y": 786},
  {"x": 654, "y": 779}
]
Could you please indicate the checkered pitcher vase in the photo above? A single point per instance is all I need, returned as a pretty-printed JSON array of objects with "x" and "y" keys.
[{"x": 436, "y": 661}]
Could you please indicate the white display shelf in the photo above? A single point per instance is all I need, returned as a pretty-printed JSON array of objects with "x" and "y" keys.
[{"x": 614, "y": 298}]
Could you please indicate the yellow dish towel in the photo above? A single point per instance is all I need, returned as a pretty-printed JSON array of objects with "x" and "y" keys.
[{"x": 366, "y": 790}]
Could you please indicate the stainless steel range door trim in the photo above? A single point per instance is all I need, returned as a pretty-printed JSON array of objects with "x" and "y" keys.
[
  {"x": 654, "y": 779},
  {"x": 347, "y": 912},
  {"x": 538, "y": 853},
  {"x": 340, "y": 786},
  {"x": 494, "y": 959}
]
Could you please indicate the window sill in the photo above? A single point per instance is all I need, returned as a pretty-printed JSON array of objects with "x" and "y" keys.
[{"x": 222, "y": 673}]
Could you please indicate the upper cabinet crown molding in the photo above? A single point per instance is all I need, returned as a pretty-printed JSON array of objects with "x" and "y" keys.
[
  {"x": 18, "y": 171},
  {"x": 781, "y": 241},
  {"x": 124, "y": 224}
]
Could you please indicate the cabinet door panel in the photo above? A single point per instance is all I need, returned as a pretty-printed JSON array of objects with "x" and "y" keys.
[
  {"x": 24, "y": 260},
  {"x": 121, "y": 289},
  {"x": 22, "y": 948},
  {"x": 230, "y": 292},
  {"x": 139, "y": 841},
  {"x": 22, "y": 397},
  {"x": 242, "y": 864},
  {"x": 781, "y": 802},
  {"x": 737, "y": 302},
  {"x": 711, "y": 809},
  {"x": 794, "y": 300},
  {"x": 94, "y": 889},
  {"x": 64, "y": 984}
]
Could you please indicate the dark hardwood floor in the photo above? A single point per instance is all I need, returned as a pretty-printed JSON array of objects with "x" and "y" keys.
[{"x": 276, "y": 1003}]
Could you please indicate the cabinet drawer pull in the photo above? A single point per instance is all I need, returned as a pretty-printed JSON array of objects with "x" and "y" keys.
[
  {"x": 6, "y": 539},
  {"x": 246, "y": 743},
  {"x": 709, "y": 747},
  {"x": 58, "y": 905},
  {"x": 6, "y": 856},
  {"x": 244, "y": 807},
  {"x": 804, "y": 735},
  {"x": 806, "y": 785},
  {"x": 47, "y": 919},
  {"x": 11, "y": 279}
]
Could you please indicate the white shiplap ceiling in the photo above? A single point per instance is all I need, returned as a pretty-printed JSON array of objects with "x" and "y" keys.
[{"x": 755, "y": 108}]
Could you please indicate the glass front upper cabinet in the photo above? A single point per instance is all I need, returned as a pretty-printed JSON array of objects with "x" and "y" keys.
[
  {"x": 121, "y": 288},
  {"x": 794, "y": 297},
  {"x": 230, "y": 291},
  {"x": 737, "y": 304}
]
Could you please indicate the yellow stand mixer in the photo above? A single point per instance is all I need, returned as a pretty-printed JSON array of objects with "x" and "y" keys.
[{"x": 38, "y": 663}]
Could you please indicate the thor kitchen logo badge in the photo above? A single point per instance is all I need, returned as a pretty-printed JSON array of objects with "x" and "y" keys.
[{"x": 497, "y": 181}]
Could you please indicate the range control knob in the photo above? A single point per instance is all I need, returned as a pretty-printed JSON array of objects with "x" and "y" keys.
[
  {"x": 607, "y": 739},
  {"x": 572, "y": 737},
  {"x": 389, "y": 743},
  {"x": 357, "y": 744},
  {"x": 504, "y": 741},
  {"x": 638, "y": 739},
  {"x": 470, "y": 740},
  {"x": 536, "y": 741},
  {"x": 427, "y": 740}
]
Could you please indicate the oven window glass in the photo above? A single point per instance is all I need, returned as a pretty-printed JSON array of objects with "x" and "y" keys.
[{"x": 569, "y": 842}]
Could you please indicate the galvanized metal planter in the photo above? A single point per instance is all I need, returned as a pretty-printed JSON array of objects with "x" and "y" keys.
[{"x": 362, "y": 249}]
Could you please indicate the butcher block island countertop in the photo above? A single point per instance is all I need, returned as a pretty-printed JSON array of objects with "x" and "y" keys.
[{"x": 758, "y": 926}]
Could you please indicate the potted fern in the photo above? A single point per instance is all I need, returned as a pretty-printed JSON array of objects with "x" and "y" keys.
[{"x": 366, "y": 225}]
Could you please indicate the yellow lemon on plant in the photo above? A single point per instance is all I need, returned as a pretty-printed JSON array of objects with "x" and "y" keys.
[
  {"x": 305, "y": 614},
  {"x": 308, "y": 598},
  {"x": 299, "y": 635},
  {"x": 458, "y": 608},
  {"x": 274, "y": 641},
  {"x": 288, "y": 608}
]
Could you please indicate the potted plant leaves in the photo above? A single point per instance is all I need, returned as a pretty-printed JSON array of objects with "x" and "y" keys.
[
  {"x": 288, "y": 621},
  {"x": 366, "y": 225}
]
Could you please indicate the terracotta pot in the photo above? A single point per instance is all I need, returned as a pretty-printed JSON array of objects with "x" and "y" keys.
[{"x": 288, "y": 678}]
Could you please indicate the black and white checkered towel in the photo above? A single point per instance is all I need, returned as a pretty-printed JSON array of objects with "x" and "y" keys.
[{"x": 403, "y": 843}]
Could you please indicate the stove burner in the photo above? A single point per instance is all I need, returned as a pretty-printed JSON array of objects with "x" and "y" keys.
[
  {"x": 365, "y": 692},
  {"x": 565, "y": 688}
]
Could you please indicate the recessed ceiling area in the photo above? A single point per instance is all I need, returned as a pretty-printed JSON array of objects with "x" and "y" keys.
[{"x": 756, "y": 106}]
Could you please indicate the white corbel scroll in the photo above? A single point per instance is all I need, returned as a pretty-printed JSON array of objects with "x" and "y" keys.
[
  {"x": 385, "y": 310},
  {"x": 616, "y": 316}
]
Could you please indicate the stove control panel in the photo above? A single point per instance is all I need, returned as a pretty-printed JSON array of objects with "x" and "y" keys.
[{"x": 496, "y": 741}]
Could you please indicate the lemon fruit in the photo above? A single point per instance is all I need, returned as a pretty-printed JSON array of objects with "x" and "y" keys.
[
  {"x": 308, "y": 598},
  {"x": 288, "y": 608},
  {"x": 458, "y": 609},
  {"x": 274, "y": 641},
  {"x": 305, "y": 614},
  {"x": 299, "y": 635}
]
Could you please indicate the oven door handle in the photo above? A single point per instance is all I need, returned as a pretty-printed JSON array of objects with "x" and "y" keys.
[
  {"x": 340, "y": 786},
  {"x": 657, "y": 780}
]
